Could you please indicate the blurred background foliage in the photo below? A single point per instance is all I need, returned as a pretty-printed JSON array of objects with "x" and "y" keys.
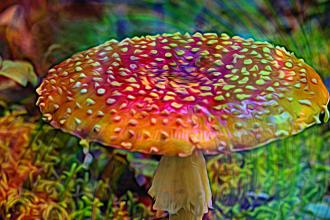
[{"x": 46, "y": 174}]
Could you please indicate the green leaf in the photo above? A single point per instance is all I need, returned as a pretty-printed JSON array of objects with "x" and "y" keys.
[{"x": 21, "y": 72}]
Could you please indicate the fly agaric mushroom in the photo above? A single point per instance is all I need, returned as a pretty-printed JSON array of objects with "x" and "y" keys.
[{"x": 178, "y": 96}]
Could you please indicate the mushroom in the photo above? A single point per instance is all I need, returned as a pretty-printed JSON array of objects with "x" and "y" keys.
[{"x": 180, "y": 96}]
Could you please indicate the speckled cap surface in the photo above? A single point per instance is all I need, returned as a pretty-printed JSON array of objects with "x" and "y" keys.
[{"x": 170, "y": 94}]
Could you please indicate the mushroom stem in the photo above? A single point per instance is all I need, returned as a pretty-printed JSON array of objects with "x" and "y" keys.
[
  {"x": 185, "y": 214},
  {"x": 181, "y": 187}
]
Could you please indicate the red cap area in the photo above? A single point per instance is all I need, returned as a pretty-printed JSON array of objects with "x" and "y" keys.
[{"x": 171, "y": 94}]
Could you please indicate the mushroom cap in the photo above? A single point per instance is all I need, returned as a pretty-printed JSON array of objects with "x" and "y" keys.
[{"x": 170, "y": 94}]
